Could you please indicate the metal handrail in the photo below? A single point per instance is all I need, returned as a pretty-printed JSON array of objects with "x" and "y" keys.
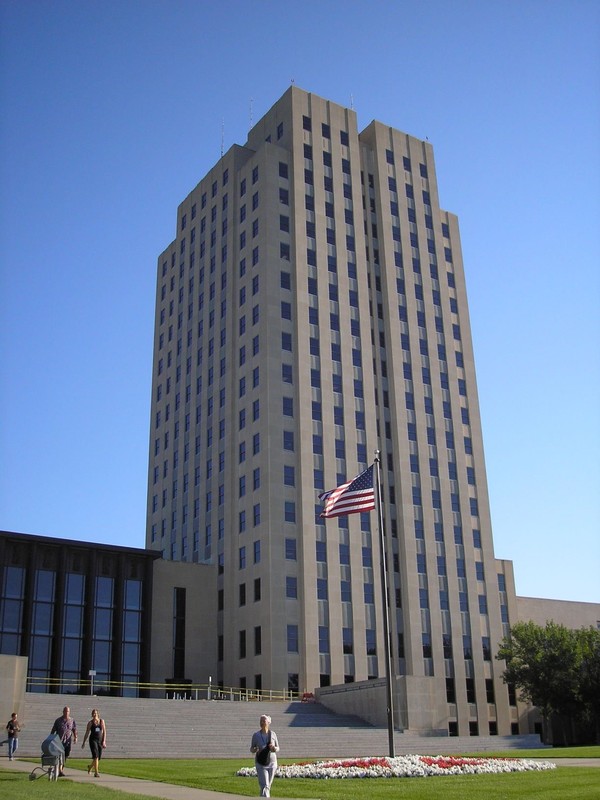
[{"x": 190, "y": 691}]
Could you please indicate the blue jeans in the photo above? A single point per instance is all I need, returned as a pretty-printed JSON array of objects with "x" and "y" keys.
[{"x": 13, "y": 743}]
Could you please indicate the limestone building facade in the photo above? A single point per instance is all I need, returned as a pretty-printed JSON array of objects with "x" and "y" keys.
[{"x": 310, "y": 311}]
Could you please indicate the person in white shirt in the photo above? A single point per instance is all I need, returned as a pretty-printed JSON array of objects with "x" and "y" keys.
[{"x": 265, "y": 747}]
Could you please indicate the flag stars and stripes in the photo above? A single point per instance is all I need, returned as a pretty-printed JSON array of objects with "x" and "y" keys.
[{"x": 353, "y": 497}]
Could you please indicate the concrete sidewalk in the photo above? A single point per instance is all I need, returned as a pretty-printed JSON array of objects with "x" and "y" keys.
[
  {"x": 166, "y": 791},
  {"x": 572, "y": 762}
]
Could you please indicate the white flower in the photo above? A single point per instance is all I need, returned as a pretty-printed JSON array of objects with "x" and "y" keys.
[{"x": 411, "y": 766}]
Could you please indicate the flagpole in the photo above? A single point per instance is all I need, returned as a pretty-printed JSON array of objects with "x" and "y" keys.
[{"x": 385, "y": 610}]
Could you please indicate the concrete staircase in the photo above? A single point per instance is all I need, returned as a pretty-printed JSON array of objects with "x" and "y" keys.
[{"x": 159, "y": 728}]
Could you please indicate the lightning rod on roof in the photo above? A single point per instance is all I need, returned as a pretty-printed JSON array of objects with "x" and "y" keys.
[
  {"x": 352, "y": 102},
  {"x": 222, "y": 136},
  {"x": 251, "y": 101}
]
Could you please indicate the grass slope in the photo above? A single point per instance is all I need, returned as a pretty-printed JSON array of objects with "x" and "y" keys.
[{"x": 565, "y": 783}]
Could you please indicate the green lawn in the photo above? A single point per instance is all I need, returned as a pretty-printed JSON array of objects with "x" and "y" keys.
[
  {"x": 565, "y": 783},
  {"x": 17, "y": 786}
]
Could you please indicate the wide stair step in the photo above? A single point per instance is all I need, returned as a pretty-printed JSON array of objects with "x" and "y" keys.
[{"x": 160, "y": 728}]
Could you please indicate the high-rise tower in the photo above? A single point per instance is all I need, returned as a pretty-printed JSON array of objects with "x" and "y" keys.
[{"x": 311, "y": 310}]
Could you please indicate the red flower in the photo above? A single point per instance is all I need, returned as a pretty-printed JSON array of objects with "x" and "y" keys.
[{"x": 447, "y": 762}]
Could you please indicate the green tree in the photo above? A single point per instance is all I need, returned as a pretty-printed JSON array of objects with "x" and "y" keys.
[
  {"x": 544, "y": 664},
  {"x": 589, "y": 677}
]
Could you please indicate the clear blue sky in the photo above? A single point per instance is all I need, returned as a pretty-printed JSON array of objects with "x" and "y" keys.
[{"x": 112, "y": 111}]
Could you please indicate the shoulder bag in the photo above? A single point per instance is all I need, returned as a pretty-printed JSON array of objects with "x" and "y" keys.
[{"x": 263, "y": 756}]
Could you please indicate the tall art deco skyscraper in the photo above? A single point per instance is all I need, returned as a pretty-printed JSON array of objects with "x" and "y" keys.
[{"x": 310, "y": 311}]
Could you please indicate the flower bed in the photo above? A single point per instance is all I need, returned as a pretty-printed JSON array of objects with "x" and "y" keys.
[{"x": 411, "y": 766}]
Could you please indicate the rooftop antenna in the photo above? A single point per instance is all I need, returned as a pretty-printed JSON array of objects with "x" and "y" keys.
[
  {"x": 251, "y": 101},
  {"x": 222, "y": 136},
  {"x": 352, "y": 102}
]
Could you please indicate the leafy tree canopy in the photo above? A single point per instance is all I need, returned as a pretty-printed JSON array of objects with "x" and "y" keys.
[{"x": 555, "y": 668}]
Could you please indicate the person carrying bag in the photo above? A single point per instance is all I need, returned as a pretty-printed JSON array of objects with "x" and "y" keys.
[
  {"x": 264, "y": 756},
  {"x": 265, "y": 747}
]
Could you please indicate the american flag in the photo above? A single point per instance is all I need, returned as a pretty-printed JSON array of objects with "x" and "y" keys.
[{"x": 352, "y": 497}]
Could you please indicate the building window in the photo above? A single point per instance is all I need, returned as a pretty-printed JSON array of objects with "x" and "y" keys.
[
  {"x": 73, "y": 628},
  {"x": 486, "y": 647},
  {"x": 323, "y": 639},
  {"x": 288, "y": 408},
  {"x": 289, "y": 475},
  {"x": 103, "y": 625},
  {"x": 470, "y": 686},
  {"x": 371, "y": 641},
  {"x": 257, "y": 640},
  {"x": 290, "y": 549},
  {"x": 347, "y": 641},
  {"x": 292, "y": 638},
  {"x": 345, "y": 591}
]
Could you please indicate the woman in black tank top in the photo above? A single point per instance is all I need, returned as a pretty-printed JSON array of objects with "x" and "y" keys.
[{"x": 96, "y": 731}]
